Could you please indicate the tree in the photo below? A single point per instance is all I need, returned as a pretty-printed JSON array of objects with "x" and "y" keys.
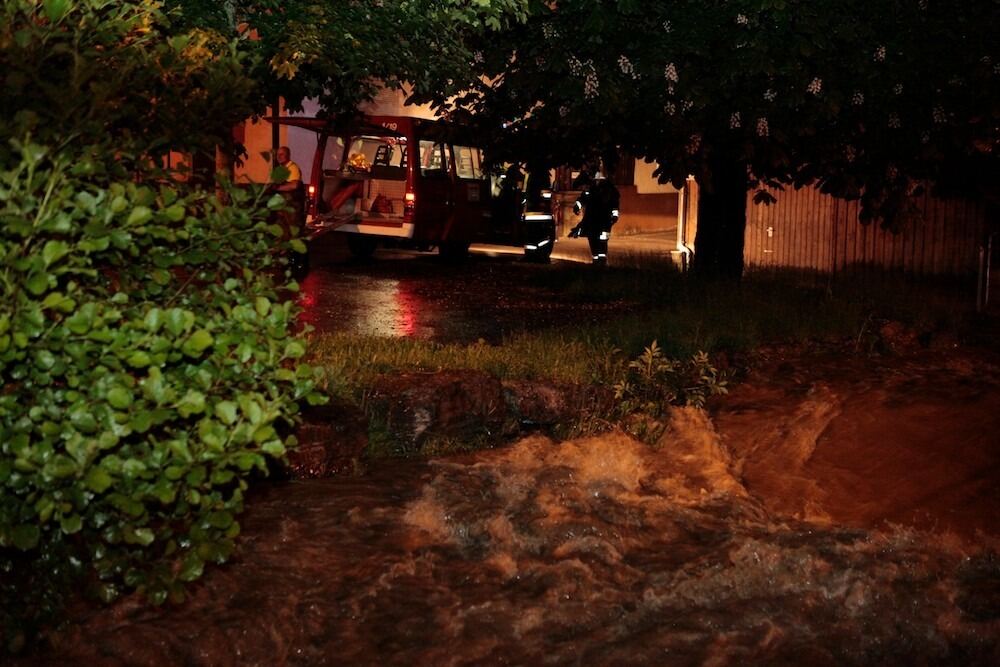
[
  {"x": 340, "y": 53},
  {"x": 866, "y": 99}
]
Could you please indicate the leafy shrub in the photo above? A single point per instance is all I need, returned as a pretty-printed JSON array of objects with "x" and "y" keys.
[
  {"x": 652, "y": 382},
  {"x": 147, "y": 364}
]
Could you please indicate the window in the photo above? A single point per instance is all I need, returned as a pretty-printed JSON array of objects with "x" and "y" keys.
[
  {"x": 433, "y": 159},
  {"x": 369, "y": 151},
  {"x": 468, "y": 162},
  {"x": 333, "y": 156}
]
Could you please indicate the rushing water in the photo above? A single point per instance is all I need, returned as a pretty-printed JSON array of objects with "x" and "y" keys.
[{"x": 758, "y": 537}]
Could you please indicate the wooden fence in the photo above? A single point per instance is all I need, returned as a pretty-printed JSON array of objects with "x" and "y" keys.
[{"x": 809, "y": 230}]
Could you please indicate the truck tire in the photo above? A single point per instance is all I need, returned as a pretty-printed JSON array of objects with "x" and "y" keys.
[
  {"x": 453, "y": 251},
  {"x": 540, "y": 255},
  {"x": 362, "y": 246}
]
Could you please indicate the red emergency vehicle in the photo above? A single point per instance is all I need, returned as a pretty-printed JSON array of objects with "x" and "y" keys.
[{"x": 412, "y": 182}]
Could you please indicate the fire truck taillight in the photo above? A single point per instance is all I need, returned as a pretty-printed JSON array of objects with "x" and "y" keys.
[{"x": 409, "y": 202}]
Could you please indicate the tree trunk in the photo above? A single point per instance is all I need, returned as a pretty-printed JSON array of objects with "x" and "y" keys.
[{"x": 722, "y": 219}]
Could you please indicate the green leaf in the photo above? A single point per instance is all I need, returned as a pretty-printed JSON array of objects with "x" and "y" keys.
[
  {"x": 262, "y": 305},
  {"x": 55, "y": 9},
  {"x": 144, "y": 536},
  {"x": 142, "y": 421},
  {"x": 71, "y": 524},
  {"x": 192, "y": 403},
  {"x": 178, "y": 321},
  {"x": 274, "y": 447},
  {"x": 140, "y": 215},
  {"x": 197, "y": 343},
  {"x": 60, "y": 467},
  {"x": 294, "y": 350},
  {"x": 58, "y": 301},
  {"x": 98, "y": 480},
  {"x": 174, "y": 213},
  {"x": 37, "y": 283},
  {"x": 226, "y": 412},
  {"x": 138, "y": 359},
  {"x": 153, "y": 320},
  {"x": 53, "y": 251},
  {"x": 276, "y": 201},
  {"x": 192, "y": 568},
  {"x": 25, "y": 536},
  {"x": 81, "y": 321},
  {"x": 120, "y": 398}
]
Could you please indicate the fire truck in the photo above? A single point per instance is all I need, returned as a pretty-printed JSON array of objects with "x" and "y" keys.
[{"x": 418, "y": 183}]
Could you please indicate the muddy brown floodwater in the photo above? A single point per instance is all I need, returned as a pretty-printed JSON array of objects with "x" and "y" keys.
[{"x": 832, "y": 510}]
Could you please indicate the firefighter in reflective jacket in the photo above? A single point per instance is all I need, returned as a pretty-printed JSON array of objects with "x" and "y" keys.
[{"x": 600, "y": 203}]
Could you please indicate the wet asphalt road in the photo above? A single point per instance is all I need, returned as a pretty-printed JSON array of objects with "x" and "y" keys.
[{"x": 492, "y": 294}]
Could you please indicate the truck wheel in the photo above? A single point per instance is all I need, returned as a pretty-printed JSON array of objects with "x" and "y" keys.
[
  {"x": 540, "y": 255},
  {"x": 453, "y": 251},
  {"x": 361, "y": 246}
]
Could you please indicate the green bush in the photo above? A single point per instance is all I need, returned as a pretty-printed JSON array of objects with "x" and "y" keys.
[
  {"x": 653, "y": 382},
  {"x": 147, "y": 364}
]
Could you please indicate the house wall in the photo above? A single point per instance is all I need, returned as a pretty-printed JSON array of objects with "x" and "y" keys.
[
  {"x": 810, "y": 230},
  {"x": 644, "y": 213}
]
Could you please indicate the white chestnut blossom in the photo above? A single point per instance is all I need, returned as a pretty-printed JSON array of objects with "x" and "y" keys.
[
  {"x": 668, "y": 26},
  {"x": 693, "y": 145},
  {"x": 815, "y": 86},
  {"x": 897, "y": 89},
  {"x": 670, "y": 108},
  {"x": 742, "y": 19},
  {"x": 735, "y": 120},
  {"x": 879, "y": 55},
  {"x": 591, "y": 85},
  {"x": 627, "y": 68},
  {"x": 858, "y": 98},
  {"x": 770, "y": 95},
  {"x": 575, "y": 66},
  {"x": 938, "y": 114},
  {"x": 670, "y": 72},
  {"x": 894, "y": 121},
  {"x": 762, "y": 127}
]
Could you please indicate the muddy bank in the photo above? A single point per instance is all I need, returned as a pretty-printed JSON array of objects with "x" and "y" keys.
[{"x": 742, "y": 538}]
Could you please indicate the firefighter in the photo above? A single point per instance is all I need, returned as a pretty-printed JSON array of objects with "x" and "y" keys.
[
  {"x": 599, "y": 202},
  {"x": 507, "y": 202}
]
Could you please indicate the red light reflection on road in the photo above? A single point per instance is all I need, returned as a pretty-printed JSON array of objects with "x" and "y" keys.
[{"x": 336, "y": 302}]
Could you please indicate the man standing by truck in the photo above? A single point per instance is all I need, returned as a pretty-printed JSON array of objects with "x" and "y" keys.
[
  {"x": 600, "y": 202},
  {"x": 292, "y": 220}
]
